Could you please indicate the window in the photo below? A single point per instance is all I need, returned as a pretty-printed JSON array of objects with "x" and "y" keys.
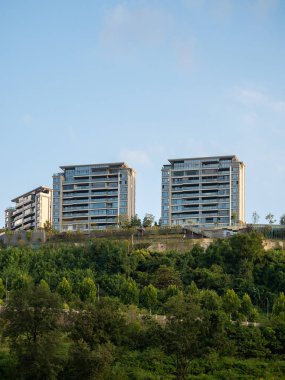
[
  {"x": 98, "y": 212},
  {"x": 68, "y": 187},
  {"x": 98, "y": 205}
]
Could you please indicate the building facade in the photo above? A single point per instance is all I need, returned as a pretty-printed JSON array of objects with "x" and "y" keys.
[
  {"x": 32, "y": 210},
  {"x": 203, "y": 191},
  {"x": 9, "y": 218},
  {"x": 98, "y": 196}
]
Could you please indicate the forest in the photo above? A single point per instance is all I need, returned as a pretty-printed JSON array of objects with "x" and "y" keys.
[{"x": 105, "y": 310}]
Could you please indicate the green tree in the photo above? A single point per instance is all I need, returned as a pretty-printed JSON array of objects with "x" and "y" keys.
[
  {"x": 279, "y": 304},
  {"x": 64, "y": 288},
  {"x": 87, "y": 363},
  {"x": 166, "y": 276},
  {"x": 2, "y": 289},
  {"x": 231, "y": 303},
  {"x": 47, "y": 226},
  {"x": 247, "y": 308},
  {"x": 184, "y": 334},
  {"x": 44, "y": 284},
  {"x": 94, "y": 334},
  {"x": 148, "y": 220},
  {"x": 31, "y": 323},
  {"x": 29, "y": 235},
  {"x": 210, "y": 300},
  {"x": 255, "y": 217},
  {"x": 22, "y": 281},
  {"x": 282, "y": 220},
  {"x": 135, "y": 221},
  {"x": 129, "y": 292},
  {"x": 170, "y": 291},
  {"x": 148, "y": 296},
  {"x": 109, "y": 256},
  {"x": 234, "y": 217},
  {"x": 270, "y": 218},
  {"x": 88, "y": 290}
]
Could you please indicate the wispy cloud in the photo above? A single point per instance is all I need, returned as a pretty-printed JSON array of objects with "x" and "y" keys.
[
  {"x": 130, "y": 27},
  {"x": 135, "y": 157},
  {"x": 129, "y": 30},
  {"x": 249, "y": 96},
  {"x": 252, "y": 97},
  {"x": 143, "y": 158}
]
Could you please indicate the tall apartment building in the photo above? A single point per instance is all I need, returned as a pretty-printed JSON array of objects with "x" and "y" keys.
[
  {"x": 204, "y": 191},
  {"x": 31, "y": 210},
  {"x": 95, "y": 196}
]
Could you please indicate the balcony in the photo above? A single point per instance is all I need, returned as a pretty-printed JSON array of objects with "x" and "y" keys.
[
  {"x": 75, "y": 208},
  {"x": 68, "y": 201}
]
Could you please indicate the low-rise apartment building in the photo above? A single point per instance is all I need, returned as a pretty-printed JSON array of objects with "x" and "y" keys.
[
  {"x": 203, "y": 191},
  {"x": 9, "y": 218},
  {"x": 95, "y": 196},
  {"x": 32, "y": 210}
]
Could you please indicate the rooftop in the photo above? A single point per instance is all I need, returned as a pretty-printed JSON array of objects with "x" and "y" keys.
[
  {"x": 230, "y": 157},
  {"x": 39, "y": 189},
  {"x": 116, "y": 164}
]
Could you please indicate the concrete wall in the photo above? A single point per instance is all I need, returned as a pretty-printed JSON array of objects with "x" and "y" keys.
[{"x": 15, "y": 238}]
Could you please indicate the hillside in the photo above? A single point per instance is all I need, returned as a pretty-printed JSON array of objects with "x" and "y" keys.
[{"x": 112, "y": 309}]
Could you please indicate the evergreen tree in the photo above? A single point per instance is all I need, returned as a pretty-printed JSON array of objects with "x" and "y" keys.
[
  {"x": 88, "y": 290},
  {"x": 148, "y": 296}
]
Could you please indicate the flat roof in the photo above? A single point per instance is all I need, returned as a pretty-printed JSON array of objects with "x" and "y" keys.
[
  {"x": 122, "y": 164},
  {"x": 34, "y": 191},
  {"x": 202, "y": 158}
]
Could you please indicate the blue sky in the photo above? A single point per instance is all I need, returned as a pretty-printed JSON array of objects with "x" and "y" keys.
[{"x": 143, "y": 81}]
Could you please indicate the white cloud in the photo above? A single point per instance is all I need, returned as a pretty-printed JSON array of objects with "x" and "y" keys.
[
  {"x": 251, "y": 97},
  {"x": 135, "y": 157},
  {"x": 145, "y": 158},
  {"x": 128, "y": 27},
  {"x": 248, "y": 96}
]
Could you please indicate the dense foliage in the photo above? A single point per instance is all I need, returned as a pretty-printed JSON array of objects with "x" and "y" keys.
[{"x": 104, "y": 310}]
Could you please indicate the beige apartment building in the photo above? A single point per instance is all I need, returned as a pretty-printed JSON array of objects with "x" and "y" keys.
[
  {"x": 93, "y": 196},
  {"x": 31, "y": 211},
  {"x": 203, "y": 191}
]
